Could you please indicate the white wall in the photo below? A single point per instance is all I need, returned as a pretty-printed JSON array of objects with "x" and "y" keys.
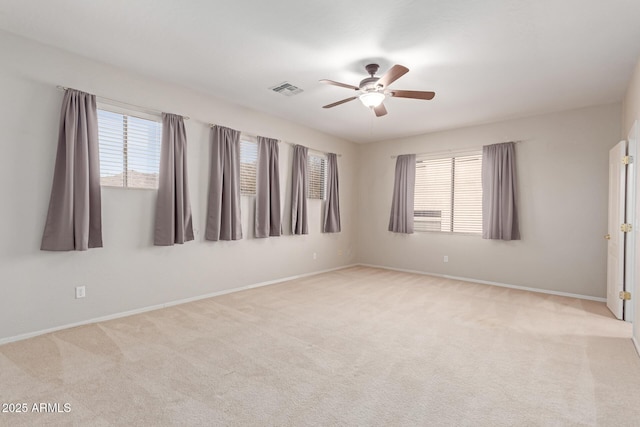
[
  {"x": 631, "y": 103},
  {"x": 631, "y": 113},
  {"x": 562, "y": 171},
  {"x": 37, "y": 288}
]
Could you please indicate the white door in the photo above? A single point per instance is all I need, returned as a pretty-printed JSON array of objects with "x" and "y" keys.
[{"x": 615, "y": 246}]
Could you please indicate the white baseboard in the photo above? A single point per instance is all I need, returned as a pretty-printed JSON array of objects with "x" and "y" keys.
[
  {"x": 487, "y": 282},
  {"x": 636, "y": 344},
  {"x": 164, "y": 305}
]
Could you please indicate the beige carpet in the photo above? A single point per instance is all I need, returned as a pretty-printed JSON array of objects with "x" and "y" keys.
[{"x": 354, "y": 347}]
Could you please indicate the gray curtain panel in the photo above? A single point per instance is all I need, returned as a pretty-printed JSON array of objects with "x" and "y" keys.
[
  {"x": 173, "y": 209},
  {"x": 499, "y": 211},
  {"x": 299, "y": 222},
  {"x": 401, "y": 219},
  {"x": 331, "y": 222},
  {"x": 223, "y": 208},
  {"x": 74, "y": 219},
  {"x": 268, "y": 221}
]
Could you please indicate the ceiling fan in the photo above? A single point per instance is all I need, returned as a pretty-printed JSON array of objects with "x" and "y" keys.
[{"x": 373, "y": 90}]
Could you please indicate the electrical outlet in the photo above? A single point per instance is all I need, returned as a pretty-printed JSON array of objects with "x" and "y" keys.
[
  {"x": 315, "y": 255},
  {"x": 340, "y": 252},
  {"x": 446, "y": 258},
  {"x": 80, "y": 292}
]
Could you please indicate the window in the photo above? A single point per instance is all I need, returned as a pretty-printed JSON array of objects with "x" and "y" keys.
[
  {"x": 316, "y": 176},
  {"x": 129, "y": 148},
  {"x": 248, "y": 165},
  {"x": 448, "y": 194}
]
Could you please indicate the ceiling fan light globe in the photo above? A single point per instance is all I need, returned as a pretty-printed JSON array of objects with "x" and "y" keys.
[{"x": 372, "y": 99}]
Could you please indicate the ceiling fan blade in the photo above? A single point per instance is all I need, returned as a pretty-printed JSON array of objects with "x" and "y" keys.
[
  {"x": 392, "y": 75},
  {"x": 380, "y": 110},
  {"x": 340, "y": 102},
  {"x": 331, "y": 82},
  {"x": 415, "y": 94}
]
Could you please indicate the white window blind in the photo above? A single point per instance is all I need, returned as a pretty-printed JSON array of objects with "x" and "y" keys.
[
  {"x": 248, "y": 166},
  {"x": 316, "y": 176},
  {"x": 448, "y": 194},
  {"x": 129, "y": 149}
]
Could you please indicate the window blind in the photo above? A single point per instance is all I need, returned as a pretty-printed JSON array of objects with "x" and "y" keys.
[
  {"x": 316, "y": 176},
  {"x": 248, "y": 166},
  {"x": 448, "y": 194},
  {"x": 129, "y": 150},
  {"x": 467, "y": 195}
]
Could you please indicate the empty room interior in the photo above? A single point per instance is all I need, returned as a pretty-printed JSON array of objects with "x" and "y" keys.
[{"x": 320, "y": 213}]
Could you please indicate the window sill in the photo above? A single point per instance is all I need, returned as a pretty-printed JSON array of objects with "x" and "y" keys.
[
  {"x": 117, "y": 187},
  {"x": 455, "y": 233}
]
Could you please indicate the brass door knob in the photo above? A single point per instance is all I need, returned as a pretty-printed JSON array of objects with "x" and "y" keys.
[{"x": 607, "y": 236}]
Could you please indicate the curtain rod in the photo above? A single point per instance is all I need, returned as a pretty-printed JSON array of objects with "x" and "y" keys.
[
  {"x": 211, "y": 125},
  {"x": 461, "y": 150},
  {"x": 107, "y": 100}
]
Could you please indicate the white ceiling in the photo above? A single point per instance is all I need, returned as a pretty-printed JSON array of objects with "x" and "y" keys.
[{"x": 487, "y": 60}]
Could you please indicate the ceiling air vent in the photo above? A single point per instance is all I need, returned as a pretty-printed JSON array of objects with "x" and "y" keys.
[{"x": 286, "y": 89}]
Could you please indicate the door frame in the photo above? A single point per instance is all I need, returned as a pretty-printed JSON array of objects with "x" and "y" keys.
[{"x": 631, "y": 255}]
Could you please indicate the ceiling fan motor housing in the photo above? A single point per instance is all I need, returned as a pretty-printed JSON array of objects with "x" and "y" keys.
[{"x": 369, "y": 83}]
